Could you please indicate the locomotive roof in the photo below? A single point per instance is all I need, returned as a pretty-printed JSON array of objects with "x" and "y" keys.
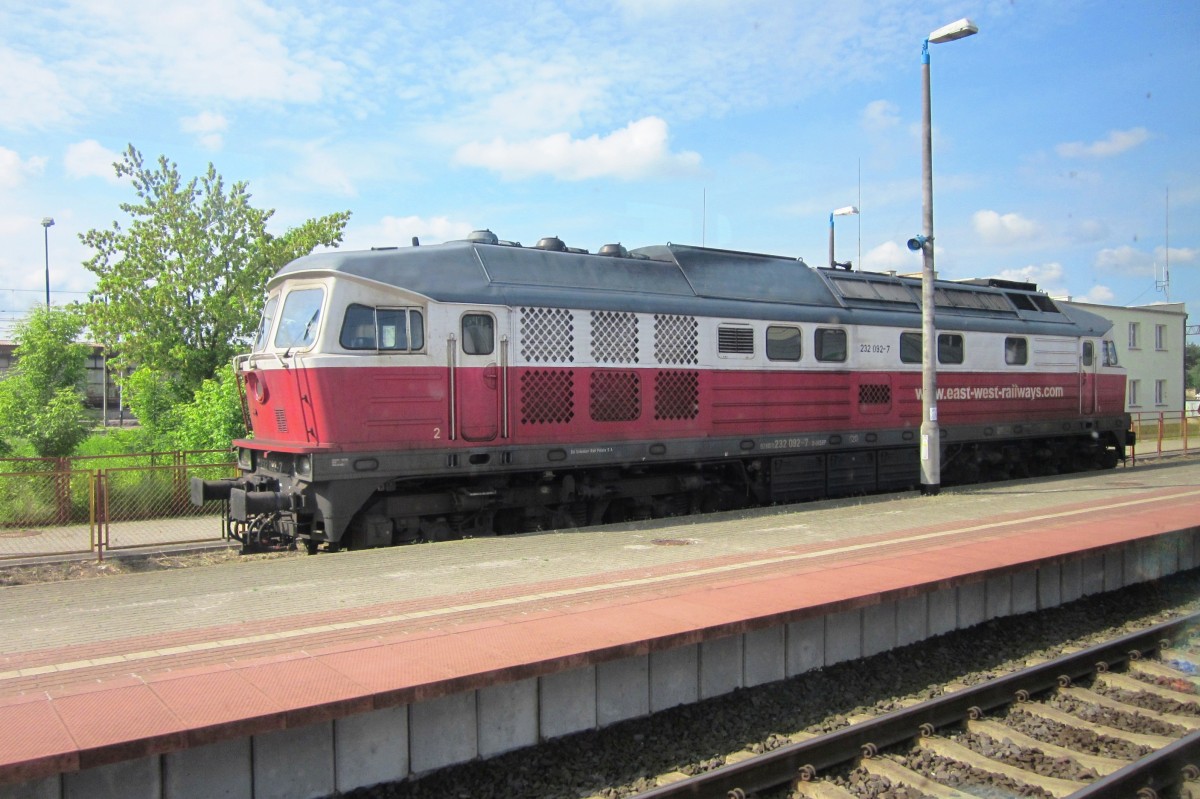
[{"x": 682, "y": 279}]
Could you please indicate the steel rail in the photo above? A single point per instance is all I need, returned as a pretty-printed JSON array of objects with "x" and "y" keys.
[{"x": 806, "y": 758}]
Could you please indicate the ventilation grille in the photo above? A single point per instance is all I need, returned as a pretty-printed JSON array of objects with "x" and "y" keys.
[
  {"x": 676, "y": 339},
  {"x": 547, "y": 335},
  {"x": 875, "y": 394},
  {"x": 615, "y": 396},
  {"x": 280, "y": 421},
  {"x": 735, "y": 340},
  {"x": 614, "y": 337},
  {"x": 547, "y": 397},
  {"x": 676, "y": 395}
]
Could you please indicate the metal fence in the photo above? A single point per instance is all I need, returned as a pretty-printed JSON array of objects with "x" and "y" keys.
[
  {"x": 93, "y": 504},
  {"x": 99, "y": 503},
  {"x": 1166, "y": 432}
]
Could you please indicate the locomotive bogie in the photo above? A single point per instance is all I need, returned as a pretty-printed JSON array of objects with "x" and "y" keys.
[{"x": 468, "y": 388}]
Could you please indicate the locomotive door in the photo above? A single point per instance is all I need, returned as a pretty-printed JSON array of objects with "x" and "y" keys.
[
  {"x": 1087, "y": 378},
  {"x": 477, "y": 378}
]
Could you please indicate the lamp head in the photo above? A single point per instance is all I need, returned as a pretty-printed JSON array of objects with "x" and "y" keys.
[
  {"x": 955, "y": 30},
  {"x": 849, "y": 210},
  {"x": 47, "y": 221}
]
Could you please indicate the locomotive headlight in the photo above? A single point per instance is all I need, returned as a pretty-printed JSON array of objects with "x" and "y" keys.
[
  {"x": 304, "y": 465},
  {"x": 245, "y": 459}
]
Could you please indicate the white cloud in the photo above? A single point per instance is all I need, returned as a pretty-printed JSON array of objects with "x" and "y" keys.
[
  {"x": 207, "y": 127},
  {"x": 1088, "y": 230},
  {"x": 880, "y": 116},
  {"x": 31, "y": 95},
  {"x": 319, "y": 168},
  {"x": 89, "y": 158},
  {"x": 1179, "y": 255},
  {"x": 890, "y": 256},
  {"x": 431, "y": 230},
  {"x": 398, "y": 231},
  {"x": 1043, "y": 275},
  {"x": 1117, "y": 142},
  {"x": 1125, "y": 260},
  {"x": 1052, "y": 278},
  {"x": 14, "y": 170},
  {"x": 1004, "y": 229},
  {"x": 1099, "y": 294},
  {"x": 638, "y": 150}
]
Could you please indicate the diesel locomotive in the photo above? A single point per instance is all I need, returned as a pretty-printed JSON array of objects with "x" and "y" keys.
[{"x": 480, "y": 386}]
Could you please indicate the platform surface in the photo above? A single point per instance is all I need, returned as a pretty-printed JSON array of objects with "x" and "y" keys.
[{"x": 98, "y": 671}]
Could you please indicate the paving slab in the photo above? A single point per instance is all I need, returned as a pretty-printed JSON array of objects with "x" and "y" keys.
[{"x": 115, "y": 670}]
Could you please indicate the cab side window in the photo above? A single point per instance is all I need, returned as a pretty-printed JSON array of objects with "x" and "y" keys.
[
  {"x": 390, "y": 329},
  {"x": 478, "y": 334}
]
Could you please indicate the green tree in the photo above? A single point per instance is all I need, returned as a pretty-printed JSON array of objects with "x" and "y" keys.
[
  {"x": 41, "y": 397},
  {"x": 180, "y": 288},
  {"x": 214, "y": 416},
  {"x": 1191, "y": 365}
]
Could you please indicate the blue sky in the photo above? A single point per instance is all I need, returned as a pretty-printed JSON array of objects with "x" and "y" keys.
[{"x": 1060, "y": 130}]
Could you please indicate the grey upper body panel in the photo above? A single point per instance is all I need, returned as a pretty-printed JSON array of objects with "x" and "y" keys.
[{"x": 667, "y": 279}]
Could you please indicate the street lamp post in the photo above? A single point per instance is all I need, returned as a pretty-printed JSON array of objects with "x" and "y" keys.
[
  {"x": 46, "y": 223},
  {"x": 931, "y": 437},
  {"x": 849, "y": 210}
]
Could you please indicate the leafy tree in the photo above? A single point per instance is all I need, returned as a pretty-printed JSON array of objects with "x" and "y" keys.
[
  {"x": 180, "y": 289},
  {"x": 41, "y": 397},
  {"x": 214, "y": 416},
  {"x": 1191, "y": 365}
]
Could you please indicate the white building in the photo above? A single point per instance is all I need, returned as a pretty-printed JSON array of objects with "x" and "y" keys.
[{"x": 1150, "y": 343}]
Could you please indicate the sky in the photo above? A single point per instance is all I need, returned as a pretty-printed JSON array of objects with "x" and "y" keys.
[{"x": 1066, "y": 134}]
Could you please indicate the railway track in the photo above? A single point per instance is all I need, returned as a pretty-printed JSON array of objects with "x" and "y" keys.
[{"x": 1140, "y": 719}]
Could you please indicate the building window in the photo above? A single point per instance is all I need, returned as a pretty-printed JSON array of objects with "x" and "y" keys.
[
  {"x": 1134, "y": 334},
  {"x": 1160, "y": 392},
  {"x": 1160, "y": 337},
  {"x": 1133, "y": 393}
]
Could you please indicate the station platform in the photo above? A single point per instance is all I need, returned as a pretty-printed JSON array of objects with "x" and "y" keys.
[{"x": 310, "y": 675}]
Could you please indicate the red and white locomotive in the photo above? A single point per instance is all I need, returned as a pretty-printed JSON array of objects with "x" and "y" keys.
[{"x": 479, "y": 386}]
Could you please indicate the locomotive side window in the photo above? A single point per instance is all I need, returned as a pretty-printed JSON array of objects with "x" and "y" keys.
[
  {"x": 910, "y": 348},
  {"x": 478, "y": 334},
  {"x": 950, "y": 348},
  {"x": 261, "y": 337},
  {"x": 783, "y": 343},
  {"x": 1110, "y": 354},
  {"x": 300, "y": 319},
  {"x": 1016, "y": 351},
  {"x": 393, "y": 329},
  {"x": 1089, "y": 353},
  {"x": 829, "y": 344}
]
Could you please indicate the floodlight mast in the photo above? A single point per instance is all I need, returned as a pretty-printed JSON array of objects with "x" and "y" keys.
[
  {"x": 849, "y": 210},
  {"x": 931, "y": 436}
]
